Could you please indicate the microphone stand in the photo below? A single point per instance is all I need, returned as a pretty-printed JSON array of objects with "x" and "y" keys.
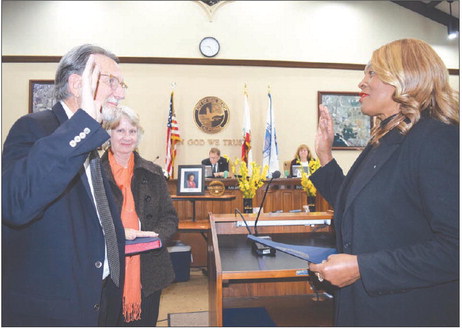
[{"x": 261, "y": 249}]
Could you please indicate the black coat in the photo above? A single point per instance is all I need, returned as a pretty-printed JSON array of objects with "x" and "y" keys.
[
  {"x": 52, "y": 241},
  {"x": 156, "y": 213},
  {"x": 401, "y": 217}
]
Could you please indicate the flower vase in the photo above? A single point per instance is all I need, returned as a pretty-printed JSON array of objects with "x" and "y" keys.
[
  {"x": 312, "y": 203},
  {"x": 248, "y": 206}
]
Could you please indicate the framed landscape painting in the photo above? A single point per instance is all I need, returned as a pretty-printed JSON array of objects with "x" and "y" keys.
[
  {"x": 41, "y": 95},
  {"x": 352, "y": 129}
]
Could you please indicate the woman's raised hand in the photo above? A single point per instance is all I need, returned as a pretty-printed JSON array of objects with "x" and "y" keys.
[{"x": 324, "y": 136}]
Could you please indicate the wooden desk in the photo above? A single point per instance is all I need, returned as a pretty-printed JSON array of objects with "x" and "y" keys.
[
  {"x": 236, "y": 271},
  {"x": 283, "y": 194},
  {"x": 194, "y": 199}
]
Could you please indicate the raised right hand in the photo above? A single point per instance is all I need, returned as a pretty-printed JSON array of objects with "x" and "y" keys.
[
  {"x": 90, "y": 77},
  {"x": 324, "y": 136}
]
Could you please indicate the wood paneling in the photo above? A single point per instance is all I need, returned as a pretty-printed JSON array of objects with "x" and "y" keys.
[{"x": 283, "y": 194}]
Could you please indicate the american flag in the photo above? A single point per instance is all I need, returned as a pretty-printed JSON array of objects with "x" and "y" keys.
[{"x": 173, "y": 137}]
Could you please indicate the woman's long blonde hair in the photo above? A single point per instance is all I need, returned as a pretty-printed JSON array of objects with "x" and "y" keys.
[{"x": 421, "y": 82}]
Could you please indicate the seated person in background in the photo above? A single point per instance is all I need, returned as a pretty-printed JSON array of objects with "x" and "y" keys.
[
  {"x": 302, "y": 157},
  {"x": 219, "y": 164}
]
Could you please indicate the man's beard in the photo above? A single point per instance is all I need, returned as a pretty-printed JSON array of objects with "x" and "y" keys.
[{"x": 108, "y": 113}]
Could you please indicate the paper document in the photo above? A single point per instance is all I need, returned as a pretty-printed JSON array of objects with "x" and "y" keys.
[{"x": 308, "y": 253}]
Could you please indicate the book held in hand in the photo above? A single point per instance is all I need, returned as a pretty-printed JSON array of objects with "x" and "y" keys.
[
  {"x": 312, "y": 254},
  {"x": 142, "y": 244}
]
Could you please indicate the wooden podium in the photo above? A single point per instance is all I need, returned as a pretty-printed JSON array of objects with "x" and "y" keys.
[{"x": 235, "y": 270}]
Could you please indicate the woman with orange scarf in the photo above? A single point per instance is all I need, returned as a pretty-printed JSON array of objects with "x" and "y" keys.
[{"x": 140, "y": 190}]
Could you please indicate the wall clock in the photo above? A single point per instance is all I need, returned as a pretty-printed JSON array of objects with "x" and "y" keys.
[{"x": 209, "y": 46}]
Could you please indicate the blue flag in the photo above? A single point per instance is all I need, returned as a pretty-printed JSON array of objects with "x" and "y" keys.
[{"x": 270, "y": 147}]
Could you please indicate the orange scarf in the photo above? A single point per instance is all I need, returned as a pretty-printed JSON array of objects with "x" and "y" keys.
[{"x": 131, "y": 304}]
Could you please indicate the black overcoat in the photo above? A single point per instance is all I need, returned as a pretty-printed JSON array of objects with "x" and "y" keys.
[
  {"x": 156, "y": 213},
  {"x": 401, "y": 217},
  {"x": 52, "y": 242}
]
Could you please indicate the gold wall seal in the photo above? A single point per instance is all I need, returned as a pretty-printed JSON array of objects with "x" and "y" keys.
[
  {"x": 211, "y": 114},
  {"x": 216, "y": 188}
]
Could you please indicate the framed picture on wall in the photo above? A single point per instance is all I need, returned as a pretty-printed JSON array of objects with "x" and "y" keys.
[
  {"x": 352, "y": 129},
  {"x": 41, "y": 95},
  {"x": 191, "y": 180}
]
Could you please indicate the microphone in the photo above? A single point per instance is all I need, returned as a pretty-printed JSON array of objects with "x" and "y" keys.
[
  {"x": 275, "y": 175},
  {"x": 259, "y": 248},
  {"x": 242, "y": 217}
]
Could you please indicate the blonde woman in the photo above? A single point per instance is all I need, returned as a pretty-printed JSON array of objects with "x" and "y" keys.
[
  {"x": 397, "y": 210},
  {"x": 302, "y": 157},
  {"x": 141, "y": 192}
]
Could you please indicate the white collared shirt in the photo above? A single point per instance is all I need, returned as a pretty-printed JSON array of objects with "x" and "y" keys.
[{"x": 86, "y": 165}]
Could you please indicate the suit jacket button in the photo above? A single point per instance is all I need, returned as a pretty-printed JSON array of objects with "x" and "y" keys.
[
  {"x": 147, "y": 198},
  {"x": 96, "y": 307},
  {"x": 72, "y": 143},
  {"x": 86, "y": 131},
  {"x": 98, "y": 264}
]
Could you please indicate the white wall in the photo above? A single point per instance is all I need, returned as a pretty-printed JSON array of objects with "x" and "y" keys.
[{"x": 311, "y": 31}]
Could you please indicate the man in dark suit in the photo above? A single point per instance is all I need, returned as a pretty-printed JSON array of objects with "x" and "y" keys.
[
  {"x": 219, "y": 164},
  {"x": 55, "y": 254}
]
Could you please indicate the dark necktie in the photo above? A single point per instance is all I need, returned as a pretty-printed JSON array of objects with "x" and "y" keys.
[{"x": 105, "y": 217}]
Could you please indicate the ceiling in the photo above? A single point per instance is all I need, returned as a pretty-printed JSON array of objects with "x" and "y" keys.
[
  {"x": 443, "y": 12},
  {"x": 438, "y": 11}
]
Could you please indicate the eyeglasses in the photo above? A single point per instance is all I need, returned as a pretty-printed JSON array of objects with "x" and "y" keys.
[{"x": 114, "y": 82}]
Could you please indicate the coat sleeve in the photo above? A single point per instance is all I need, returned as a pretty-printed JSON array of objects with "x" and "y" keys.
[
  {"x": 168, "y": 215},
  {"x": 38, "y": 166},
  {"x": 434, "y": 175},
  {"x": 327, "y": 180}
]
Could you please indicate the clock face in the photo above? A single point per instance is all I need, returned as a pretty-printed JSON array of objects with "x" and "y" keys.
[{"x": 209, "y": 46}]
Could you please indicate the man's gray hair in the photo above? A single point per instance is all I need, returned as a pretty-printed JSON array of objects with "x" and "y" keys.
[{"x": 74, "y": 63}]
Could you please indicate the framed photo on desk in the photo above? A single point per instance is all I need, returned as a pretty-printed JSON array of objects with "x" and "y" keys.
[{"x": 191, "y": 180}]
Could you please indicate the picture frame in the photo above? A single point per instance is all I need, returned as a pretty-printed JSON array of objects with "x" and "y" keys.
[
  {"x": 190, "y": 174},
  {"x": 352, "y": 128},
  {"x": 41, "y": 95}
]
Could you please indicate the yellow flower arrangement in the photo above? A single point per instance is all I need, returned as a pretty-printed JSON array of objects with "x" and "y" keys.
[
  {"x": 249, "y": 184},
  {"x": 306, "y": 183}
]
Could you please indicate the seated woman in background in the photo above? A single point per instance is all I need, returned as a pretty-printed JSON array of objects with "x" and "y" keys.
[
  {"x": 140, "y": 190},
  {"x": 302, "y": 157}
]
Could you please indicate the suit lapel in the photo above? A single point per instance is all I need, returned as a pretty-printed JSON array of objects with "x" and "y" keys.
[{"x": 388, "y": 145}]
